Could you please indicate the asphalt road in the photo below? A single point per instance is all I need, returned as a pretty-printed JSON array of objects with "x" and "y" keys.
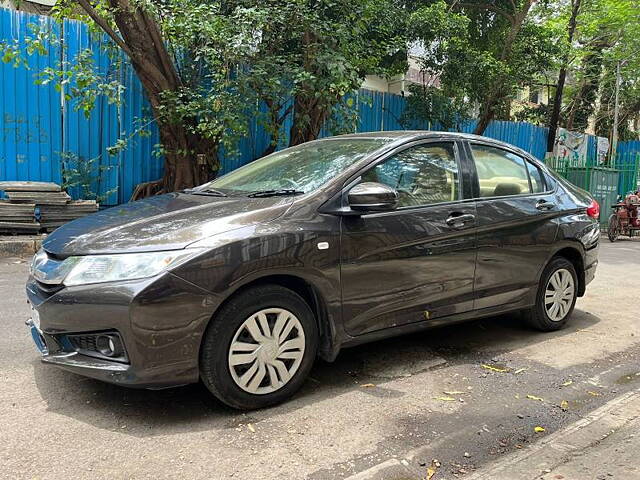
[{"x": 376, "y": 402}]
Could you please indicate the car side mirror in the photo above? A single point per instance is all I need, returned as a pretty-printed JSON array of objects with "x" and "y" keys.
[{"x": 372, "y": 197}]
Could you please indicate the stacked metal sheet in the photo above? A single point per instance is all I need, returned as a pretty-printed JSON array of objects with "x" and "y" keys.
[
  {"x": 18, "y": 218},
  {"x": 53, "y": 216},
  {"x": 31, "y": 207}
]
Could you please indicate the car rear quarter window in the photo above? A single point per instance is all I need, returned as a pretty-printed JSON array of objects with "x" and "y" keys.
[
  {"x": 500, "y": 173},
  {"x": 537, "y": 179}
]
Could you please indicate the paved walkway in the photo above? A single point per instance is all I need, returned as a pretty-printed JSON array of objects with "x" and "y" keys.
[
  {"x": 467, "y": 395},
  {"x": 603, "y": 445}
]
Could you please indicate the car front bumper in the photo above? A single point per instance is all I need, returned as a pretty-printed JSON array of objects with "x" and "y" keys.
[{"x": 160, "y": 321}]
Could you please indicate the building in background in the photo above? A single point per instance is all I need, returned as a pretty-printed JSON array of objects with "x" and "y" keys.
[
  {"x": 32, "y": 6},
  {"x": 399, "y": 84}
]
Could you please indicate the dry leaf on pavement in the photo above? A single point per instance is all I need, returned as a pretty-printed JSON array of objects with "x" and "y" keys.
[
  {"x": 432, "y": 469},
  {"x": 494, "y": 368}
]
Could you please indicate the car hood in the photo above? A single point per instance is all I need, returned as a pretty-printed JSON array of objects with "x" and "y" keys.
[{"x": 166, "y": 222}]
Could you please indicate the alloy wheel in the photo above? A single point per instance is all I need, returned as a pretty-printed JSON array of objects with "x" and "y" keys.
[
  {"x": 559, "y": 294},
  {"x": 266, "y": 351}
]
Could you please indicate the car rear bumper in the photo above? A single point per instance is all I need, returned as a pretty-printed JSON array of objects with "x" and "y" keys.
[
  {"x": 590, "y": 264},
  {"x": 160, "y": 322},
  {"x": 590, "y": 273}
]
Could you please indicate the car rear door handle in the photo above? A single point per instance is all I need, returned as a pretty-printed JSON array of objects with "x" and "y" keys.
[
  {"x": 544, "y": 205},
  {"x": 459, "y": 220}
]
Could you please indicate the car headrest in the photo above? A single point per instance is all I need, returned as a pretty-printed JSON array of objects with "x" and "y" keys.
[{"x": 503, "y": 189}]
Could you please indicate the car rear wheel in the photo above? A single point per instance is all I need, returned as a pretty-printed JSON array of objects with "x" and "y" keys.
[
  {"x": 556, "y": 296},
  {"x": 614, "y": 229},
  {"x": 259, "y": 348}
]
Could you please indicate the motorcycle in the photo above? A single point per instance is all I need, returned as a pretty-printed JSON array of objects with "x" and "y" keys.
[{"x": 624, "y": 220}]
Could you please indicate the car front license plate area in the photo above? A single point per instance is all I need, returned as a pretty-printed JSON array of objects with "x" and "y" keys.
[{"x": 34, "y": 326}]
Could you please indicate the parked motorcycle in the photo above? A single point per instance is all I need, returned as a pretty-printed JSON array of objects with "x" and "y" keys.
[{"x": 624, "y": 220}]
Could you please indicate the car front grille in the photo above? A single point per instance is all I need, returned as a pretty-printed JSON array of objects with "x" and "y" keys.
[
  {"x": 84, "y": 342},
  {"x": 47, "y": 288},
  {"x": 48, "y": 271}
]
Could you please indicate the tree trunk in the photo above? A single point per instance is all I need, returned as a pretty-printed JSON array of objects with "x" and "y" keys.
[
  {"x": 189, "y": 159},
  {"x": 309, "y": 116},
  {"x": 486, "y": 115},
  {"x": 583, "y": 104},
  {"x": 562, "y": 76},
  {"x": 496, "y": 93},
  {"x": 277, "y": 118},
  {"x": 309, "y": 110},
  {"x": 184, "y": 170}
]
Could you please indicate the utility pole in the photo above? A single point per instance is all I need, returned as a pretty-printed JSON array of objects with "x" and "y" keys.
[{"x": 616, "y": 111}]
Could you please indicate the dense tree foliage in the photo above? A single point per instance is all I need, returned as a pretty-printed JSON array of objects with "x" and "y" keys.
[
  {"x": 311, "y": 54},
  {"x": 606, "y": 35},
  {"x": 485, "y": 52},
  {"x": 208, "y": 67}
]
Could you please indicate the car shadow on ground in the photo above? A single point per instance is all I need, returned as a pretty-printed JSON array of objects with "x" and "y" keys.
[{"x": 191, "y": 408}]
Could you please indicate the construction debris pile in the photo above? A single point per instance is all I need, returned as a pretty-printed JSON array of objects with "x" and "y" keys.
[{"x": 34, "y": 207}]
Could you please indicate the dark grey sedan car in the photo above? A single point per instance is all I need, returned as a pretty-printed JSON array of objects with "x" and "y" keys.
[{"x": 244, "y": 281}]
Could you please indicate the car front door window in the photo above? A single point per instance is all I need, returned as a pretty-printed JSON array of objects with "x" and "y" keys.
[{"x": 422, "y": 175}]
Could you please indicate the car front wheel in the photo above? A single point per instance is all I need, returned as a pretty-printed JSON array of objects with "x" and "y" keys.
[
  {"x": 259, "y": 348},
  {"x": 556, "y": 296}
]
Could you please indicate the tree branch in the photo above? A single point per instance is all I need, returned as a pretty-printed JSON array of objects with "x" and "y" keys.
[
  {"x": 95, "y": 16},
  {"x": 159, "y": 45},
  {"x": 490, "y": 7}
]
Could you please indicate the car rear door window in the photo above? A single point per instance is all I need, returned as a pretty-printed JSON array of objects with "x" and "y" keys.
[
  {"x": 422, "y": 175},
  {"x": 500, "y": 173}
]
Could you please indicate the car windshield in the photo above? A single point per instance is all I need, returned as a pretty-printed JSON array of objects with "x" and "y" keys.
[{"x": 299, "y": 169}]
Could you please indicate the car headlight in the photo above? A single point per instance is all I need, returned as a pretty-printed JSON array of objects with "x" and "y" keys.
[{"x": 123, "y": 266}]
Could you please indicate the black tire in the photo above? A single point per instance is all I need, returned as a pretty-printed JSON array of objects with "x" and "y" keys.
[
  {"x": 613, "y": 230},
  {"x": 215, "y": 371},
  {"x": 537, "y": 317}
]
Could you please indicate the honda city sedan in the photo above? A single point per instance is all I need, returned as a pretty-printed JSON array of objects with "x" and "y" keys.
[{"x": 243, "y": 282}]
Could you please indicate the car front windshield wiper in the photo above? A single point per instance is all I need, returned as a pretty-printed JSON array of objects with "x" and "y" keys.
[
  {"x": 275, "y": 192},
  {"x": 206, "y": 191}
]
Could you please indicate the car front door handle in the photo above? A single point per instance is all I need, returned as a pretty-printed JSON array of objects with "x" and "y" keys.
[
  {"x": 544, "y": 205},
  {"x": 458, "y": 221}
]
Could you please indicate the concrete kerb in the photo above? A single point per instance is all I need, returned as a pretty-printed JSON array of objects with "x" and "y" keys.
[
  {"x": 552, "y": 451},
  {"x": 20, "y": 246}
]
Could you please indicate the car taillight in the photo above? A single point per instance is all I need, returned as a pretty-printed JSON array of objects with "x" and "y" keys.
[{"x": 593, "y": 210}]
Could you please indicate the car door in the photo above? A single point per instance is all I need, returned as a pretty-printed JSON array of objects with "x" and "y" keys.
[
  {"x": 417, "y": 262},
  {"x": 516, "y": 214}
]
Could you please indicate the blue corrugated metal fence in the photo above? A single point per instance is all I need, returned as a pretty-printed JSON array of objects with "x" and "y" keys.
[{"x": 40, "y": 130}]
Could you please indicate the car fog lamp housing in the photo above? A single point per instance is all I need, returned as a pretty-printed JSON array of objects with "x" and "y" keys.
[{"x": 109, "y": 345}]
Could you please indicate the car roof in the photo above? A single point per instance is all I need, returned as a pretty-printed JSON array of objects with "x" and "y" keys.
[{"x": 409, "y": 135}]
